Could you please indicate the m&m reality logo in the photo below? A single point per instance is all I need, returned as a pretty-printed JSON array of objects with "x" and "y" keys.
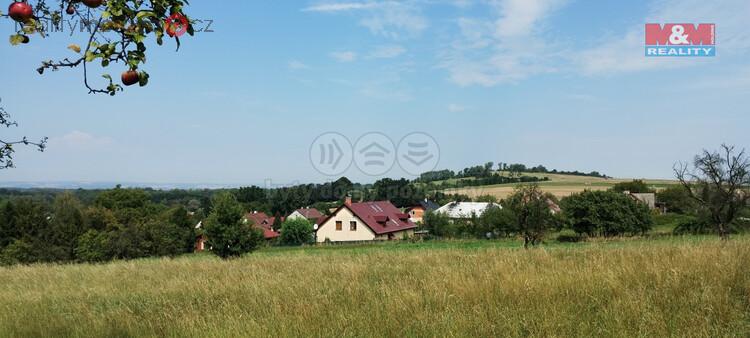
[{"x": 680, "y": 39}]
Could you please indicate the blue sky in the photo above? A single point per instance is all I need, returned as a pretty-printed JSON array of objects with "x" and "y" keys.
[{"x": 562, "y": 83}]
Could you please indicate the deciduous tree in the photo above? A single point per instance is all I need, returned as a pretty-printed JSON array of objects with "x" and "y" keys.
[
  {"x": 719, "y": 181},
  {"x": 227, "y": 235}
]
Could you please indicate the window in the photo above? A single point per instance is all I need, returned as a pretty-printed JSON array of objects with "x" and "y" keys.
[
  {"x": 353, "y": 226},
  {"x": 339, "y": 225}
]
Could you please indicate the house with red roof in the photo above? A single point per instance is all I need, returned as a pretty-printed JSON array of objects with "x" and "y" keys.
[
  {"x": 263, "y": 222},
  {"x": 365, "y": 221}
]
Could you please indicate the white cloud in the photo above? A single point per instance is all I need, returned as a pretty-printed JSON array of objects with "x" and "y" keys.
[
  {"x": 455, "y": 108},
  {"x": 345, "y": 56},
  {"x": 387, "y": 52},
  {"x": 507, "y": 49},
  {"x": 297, "y": 65},
  {"x": 624, "y": 53},
  {"x": 80, "y": 140},
  {"x": 392, "y": 19},
  {"x": 396, "y": 20}
]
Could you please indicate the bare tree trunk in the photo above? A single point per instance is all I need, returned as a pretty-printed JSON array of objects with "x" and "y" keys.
[
  {"x": 723, "y": 232},
  {"x": 525, "y": 241}
]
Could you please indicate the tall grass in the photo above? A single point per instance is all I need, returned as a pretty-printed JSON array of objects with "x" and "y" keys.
[{"x": 699, "y": 288}]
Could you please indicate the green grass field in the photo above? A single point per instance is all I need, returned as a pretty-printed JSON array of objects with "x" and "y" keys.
[{"x": 662, "y": 286}]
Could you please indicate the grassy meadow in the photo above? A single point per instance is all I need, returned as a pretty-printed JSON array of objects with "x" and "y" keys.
[{"x": 671, "y": 286}]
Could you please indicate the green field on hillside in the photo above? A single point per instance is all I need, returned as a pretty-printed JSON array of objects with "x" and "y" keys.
[
  {"x": 670, "y": 286},
  {"x": 559, "y": 185}
]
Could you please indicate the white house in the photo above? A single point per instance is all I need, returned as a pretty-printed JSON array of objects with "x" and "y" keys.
[{"x": 366, "y": 221}]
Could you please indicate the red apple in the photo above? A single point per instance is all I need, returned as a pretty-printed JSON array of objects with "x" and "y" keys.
[
  {"x": 71, "y": 10},
  {"x": 130, "y": 77},
  {"x": 20, "y": 11},
  {"x": 93, "y": 3}
]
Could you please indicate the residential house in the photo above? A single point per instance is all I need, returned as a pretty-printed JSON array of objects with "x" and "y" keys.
[
  {"x": 263, "y": 222},
  {"x": 365, "y": 221},
  {"x": 465, "y": 210},
  {"x": 646, "y": 198},
  {"x": 310, "y": 214},
  {"x": 416, "y": 212}
]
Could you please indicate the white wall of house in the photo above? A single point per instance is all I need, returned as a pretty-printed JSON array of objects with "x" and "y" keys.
[
  {"x": 345, "y": 216},
  {"x": 296, "y": 215}
]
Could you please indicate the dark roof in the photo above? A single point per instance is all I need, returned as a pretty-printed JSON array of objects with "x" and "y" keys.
[
  {"x": 427, "y": 205},
  {"x": 310, "y": 213},
  {"x": 381, "y": 217}
]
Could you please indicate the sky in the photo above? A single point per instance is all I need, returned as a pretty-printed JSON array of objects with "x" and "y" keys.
[{"x": 562, "y": 83}]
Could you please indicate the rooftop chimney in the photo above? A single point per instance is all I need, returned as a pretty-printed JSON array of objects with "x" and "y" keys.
[{"x": 348, "y": 201}]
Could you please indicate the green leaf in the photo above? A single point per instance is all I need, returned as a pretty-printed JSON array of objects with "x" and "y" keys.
[
  {"x": 106, "y": 15},
  {"x": 105, "y": 62},
  {"x": 143, "y": 79},
  {"x": 142, "y": 15},
  {"x": 90, "y": 56},
  {"x": 16, "y": 39},
  {"x": 107, "y": 76}
]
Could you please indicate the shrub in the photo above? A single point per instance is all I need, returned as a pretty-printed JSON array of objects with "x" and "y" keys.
[
  {"x": 635, "y": 186},
  {"x": 677, "y": 200},
  {"x": 439, "y": 224},
  {"x": 297, "y": 231},
  {"x": 606, "y": 213},
  {"x": 18, "y": 252}
]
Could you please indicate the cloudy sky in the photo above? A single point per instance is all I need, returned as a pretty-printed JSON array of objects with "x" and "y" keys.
[{"x": 562, "y": 83}]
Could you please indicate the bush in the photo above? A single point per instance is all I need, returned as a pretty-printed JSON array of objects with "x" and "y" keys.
[
  {"x": 606, "y": 213},
  {"x": 677, "y": 200},
  {"x": 635, "y": 186},
  {"x": 18, "y": 252},
  {"x": 297, "y": 231},
  {"x": 439, "y": 224}
]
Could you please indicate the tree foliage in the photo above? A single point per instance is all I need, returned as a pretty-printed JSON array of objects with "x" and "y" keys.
[
  {"x": 297, "y": 231},
  {"x": 606, "y": 213},
  {"x": 719, "y": 181},
  {"x": 634, "y": 186},
  {"x": 228, "y": 235},
  {"x": 530, "y": 207},
  {"x": 116, "y": 33}
]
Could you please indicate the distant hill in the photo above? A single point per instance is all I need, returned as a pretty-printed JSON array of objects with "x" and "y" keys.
[{"x": 560, "y": 185}]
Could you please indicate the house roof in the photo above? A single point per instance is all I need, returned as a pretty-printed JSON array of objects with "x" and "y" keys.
[
  {"x": 381, "y": 217},
  {"x": 262, "y": 221},
  {"x": 465, "y": 209},
  {"x": 425, "y": 204},
  {"x": 310, "y": 213}
]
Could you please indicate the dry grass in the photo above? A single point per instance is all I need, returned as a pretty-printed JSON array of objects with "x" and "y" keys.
[
  {"x": 635, "y": 289},
  {"x": 558, "y": 185}
]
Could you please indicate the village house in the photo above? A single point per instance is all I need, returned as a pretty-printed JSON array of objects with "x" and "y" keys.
[
  {"x": 365, "y": 221},
  {"x": 416, "y": 212},
  {"x": 263, "y": 222},
  {"x": 648, "y": 199},
  {"x": 465, "y": 210},
  {"x": 310, "y": 214}
]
